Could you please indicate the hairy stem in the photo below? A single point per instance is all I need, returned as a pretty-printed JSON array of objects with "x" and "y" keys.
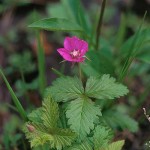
[{"x": 99, "y": 26}]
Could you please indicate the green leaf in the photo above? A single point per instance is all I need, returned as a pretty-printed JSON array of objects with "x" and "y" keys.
[
  {"x": 132, "y": 51},
  {"x": 144, "y": 54},
  {"x": 56, "y": 24},
  {"x": 120, "y": 120},
  {"x": 115, "y": 145},
  {"x": 43, "y": 128},
  {"x": 65, "y": 89},
  {"x": 14, "y": 97},
  {"x": 143, "y": 38},
  {"x": 35, "y": 115},
  {"x": 77, "y": 13},
  {"x": 101, "y": 138},
  {"x": 56, "y": 138},
  {"x": 105, "y": 87},
  {"x": 101, "y": 63},
  {"x": 83, "y": 146},
  {"x": 81, "y": 114},
  {"x": 50, "y": 113}
]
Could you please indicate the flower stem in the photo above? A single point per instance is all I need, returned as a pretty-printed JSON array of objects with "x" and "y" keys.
[
  {"x": 80, "y": 72},
  {"x": 99, "y": 26}
]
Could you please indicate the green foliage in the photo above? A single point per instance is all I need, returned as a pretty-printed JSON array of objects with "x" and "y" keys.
[
  {"x": 82, "y": 114},
  {"x": 82, "y": 146},
  {"x": 43, "y": 128},
  {"x": 55, "y": 138},
  {"x": 115, "y": 145},
  {"x": 105, "y": 87},
  {"x": 10, "y": 138},
  {"x": 141, "y": 52},
  {"x": 22, "y": 87},
  {"x": 22, "y": 62},
  {"x": 16, "y": 101},
  {"x": 55, "y": 24},
  {"x": 101, "y": 138},
  {"x": 132, "y": 51},
  {"x": 142, "y": 39},
  {"x": 100, "y": 64},
  {"x": 65, "y": 89},
  {"x": 35, "y": 115},
  {"x": 75, "y": 12},
  {"x": 119, "y": 120},
  {"x": 50, "y": 113},
  {"x": 41, "y": 65}
]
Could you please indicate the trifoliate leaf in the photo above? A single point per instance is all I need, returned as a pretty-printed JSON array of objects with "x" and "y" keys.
[
  {"x": 115, "y": 145},
  {"x": 101, "y": 138},
  {"x": 65, "y": 89},
  {"x": 56, "y": 138},
  {"x": 105, "y": 87},
  {"x": 120, "y": 120},
  {"x": 50, "y": 113},
  {"x": 81, "y": 114}
]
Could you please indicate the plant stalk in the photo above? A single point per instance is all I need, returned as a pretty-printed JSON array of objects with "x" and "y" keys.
[
  {"x": 100, "y": 21},
  {"x": 80, "y": 72},
  {"x": 41, "y": 65}
]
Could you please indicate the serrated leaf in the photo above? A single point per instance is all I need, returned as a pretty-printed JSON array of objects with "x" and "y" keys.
[
  {"x": 115, "y": 145},
  {"x": 101, "y": 138},
  {"x": 35, "y": 115},
  {"x": 120, "y": 120},
  {"x": 65, "y": 89},
  {"x": 56, "y": 138},
  {"x": 83, "y": 146},
  {"x": 56, "y": 24},
  {"x": 62, "y": 138},
  {"x": 42, "y": 128},
  {"x": 50, "y": 113},
  {"x": 105, "y": 87},
  {"x": 81, "y": 115}
]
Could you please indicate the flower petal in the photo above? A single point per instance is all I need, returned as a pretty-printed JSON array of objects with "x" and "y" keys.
[
  {"x": 64, "y": 53},
  {"x": 80, "y": 45},
  {"x": 69, "y": 44},
  {"x": 81, "y": 59},
  {"x": 75, "y": 43}
]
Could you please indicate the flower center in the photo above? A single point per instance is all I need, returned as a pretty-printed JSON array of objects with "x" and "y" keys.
[{"x": 75, "y": 53}]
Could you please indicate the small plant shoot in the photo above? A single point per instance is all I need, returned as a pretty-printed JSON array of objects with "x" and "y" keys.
[{"x": 77, "y": 75}]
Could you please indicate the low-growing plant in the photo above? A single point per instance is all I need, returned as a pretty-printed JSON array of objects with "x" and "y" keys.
[{"x": 78, "y": 112}]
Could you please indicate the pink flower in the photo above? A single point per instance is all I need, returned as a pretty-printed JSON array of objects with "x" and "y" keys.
[{"x": 74, "y": 49}]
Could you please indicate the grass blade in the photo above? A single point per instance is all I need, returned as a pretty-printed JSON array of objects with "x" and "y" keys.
[
  {"x": 41, "y": 65},
  {"x": 16, "y": 101},
  {"x": 131, "y": 55},
  {"x": 122, "y": 31}
]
